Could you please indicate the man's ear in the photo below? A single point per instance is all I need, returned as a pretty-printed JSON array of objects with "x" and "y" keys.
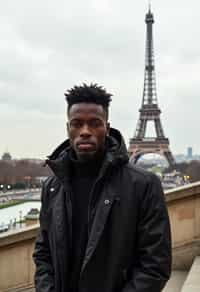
[{"x": 108, "y": 129}]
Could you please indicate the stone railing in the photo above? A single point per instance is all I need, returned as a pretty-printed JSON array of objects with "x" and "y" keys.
[{"x": 16, "y": 248}]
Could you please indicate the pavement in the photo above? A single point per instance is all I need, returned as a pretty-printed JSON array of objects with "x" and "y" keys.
[
  {"x": 192, "y": 283},
  {"x": 176, "y": 281}
]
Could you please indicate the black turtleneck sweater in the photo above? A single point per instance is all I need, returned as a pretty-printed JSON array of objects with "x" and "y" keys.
[{"x": 83, "y": 178}]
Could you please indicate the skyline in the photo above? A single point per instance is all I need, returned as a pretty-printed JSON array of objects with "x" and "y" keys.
[{"x": 95, "y": 42}]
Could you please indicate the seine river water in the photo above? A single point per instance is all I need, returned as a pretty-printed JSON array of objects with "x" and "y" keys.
[{"x": 13, "y": 213}]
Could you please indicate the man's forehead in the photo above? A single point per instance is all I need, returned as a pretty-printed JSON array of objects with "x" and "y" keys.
[{"x": 86, "y": 108}]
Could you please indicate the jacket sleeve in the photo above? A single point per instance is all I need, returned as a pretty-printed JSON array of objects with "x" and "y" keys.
[
  {"x": 153, "y": 267},
  {"x": 44, "y": 273}
]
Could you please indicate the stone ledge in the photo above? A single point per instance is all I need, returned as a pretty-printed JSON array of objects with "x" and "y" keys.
[
  {"x": 182, "y": 192},
  {"x": 16, "y": 236}
]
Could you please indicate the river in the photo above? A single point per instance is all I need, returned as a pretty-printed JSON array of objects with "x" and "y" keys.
[{"x": 13, "y": 212}]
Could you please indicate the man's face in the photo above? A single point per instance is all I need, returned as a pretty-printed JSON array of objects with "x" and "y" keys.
[{"x": 87, "y": 129}]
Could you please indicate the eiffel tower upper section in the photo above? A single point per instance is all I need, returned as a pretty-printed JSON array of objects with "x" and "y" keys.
[
  {"x": 149, "y": 94},
  {"x": 149, "y": 110}
]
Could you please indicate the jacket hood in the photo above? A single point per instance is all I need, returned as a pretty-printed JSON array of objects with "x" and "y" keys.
[{"x": 116, "y": 152}]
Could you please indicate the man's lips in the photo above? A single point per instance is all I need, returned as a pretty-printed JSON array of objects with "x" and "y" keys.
[{"x": 85, "y": 145}]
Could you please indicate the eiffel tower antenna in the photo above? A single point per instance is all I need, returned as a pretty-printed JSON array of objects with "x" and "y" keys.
[
  {"x": 149, "y": 110},
  {"x": 149, "y": 5}
]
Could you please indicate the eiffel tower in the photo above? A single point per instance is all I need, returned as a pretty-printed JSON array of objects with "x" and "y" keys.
[{"x": 149, "y": 111}]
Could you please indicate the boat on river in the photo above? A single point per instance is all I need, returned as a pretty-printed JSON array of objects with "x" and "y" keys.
[{"x": 33, "y": 214}]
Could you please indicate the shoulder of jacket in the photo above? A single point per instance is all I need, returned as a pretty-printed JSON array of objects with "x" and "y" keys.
[
  {"x": 50, "y": 189},
  {"x": 148, "y": 184},
  {"x": 51, "y": 182},
  {"x": 141, "y": 174}
]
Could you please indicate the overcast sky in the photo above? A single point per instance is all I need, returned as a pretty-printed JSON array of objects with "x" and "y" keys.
[{"x": 48, "y": 46}]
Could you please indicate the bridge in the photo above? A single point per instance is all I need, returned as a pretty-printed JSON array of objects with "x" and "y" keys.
[{"x": 184, "y": 210}]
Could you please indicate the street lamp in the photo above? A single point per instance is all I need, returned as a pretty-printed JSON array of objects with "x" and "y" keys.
[{"x": 8, "y": 187}]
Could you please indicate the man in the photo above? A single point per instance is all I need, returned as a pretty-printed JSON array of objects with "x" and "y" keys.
[{"x": 103, "y": 223}]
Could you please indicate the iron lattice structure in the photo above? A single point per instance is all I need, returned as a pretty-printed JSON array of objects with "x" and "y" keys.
[{"x": 149, "y": 110}]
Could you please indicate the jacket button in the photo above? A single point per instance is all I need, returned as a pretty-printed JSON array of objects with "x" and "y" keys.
[{"x": 107, "y": 202}]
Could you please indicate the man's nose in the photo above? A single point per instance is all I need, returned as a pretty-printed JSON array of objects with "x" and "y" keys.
[{"x": 85, "y": 131}]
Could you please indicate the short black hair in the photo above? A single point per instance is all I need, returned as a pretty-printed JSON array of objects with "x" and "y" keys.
[{"x": 92, "y": 93}]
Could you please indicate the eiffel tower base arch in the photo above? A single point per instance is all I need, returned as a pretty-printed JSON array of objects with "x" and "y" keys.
[{"x": 139, "y": 148}]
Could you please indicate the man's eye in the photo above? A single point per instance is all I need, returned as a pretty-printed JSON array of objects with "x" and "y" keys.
[
  {"x": 76, "y": 124},
  {"x": 95, "y": 123}
]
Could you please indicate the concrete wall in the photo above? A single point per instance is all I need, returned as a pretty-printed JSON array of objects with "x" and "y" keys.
[{"x": 16, "y": 265}]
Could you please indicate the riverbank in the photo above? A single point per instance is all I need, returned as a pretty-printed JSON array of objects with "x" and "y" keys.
[{"x": 14, "y": 203}]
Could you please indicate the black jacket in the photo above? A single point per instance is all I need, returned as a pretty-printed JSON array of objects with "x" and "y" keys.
[{"x": 129, "y": 246}]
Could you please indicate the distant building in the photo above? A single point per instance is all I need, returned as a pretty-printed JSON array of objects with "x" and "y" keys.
[
  {"x": 6, "y": 156},
  {"x": 33, "y": 160},
  {"x": 189, "y": 153}
]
